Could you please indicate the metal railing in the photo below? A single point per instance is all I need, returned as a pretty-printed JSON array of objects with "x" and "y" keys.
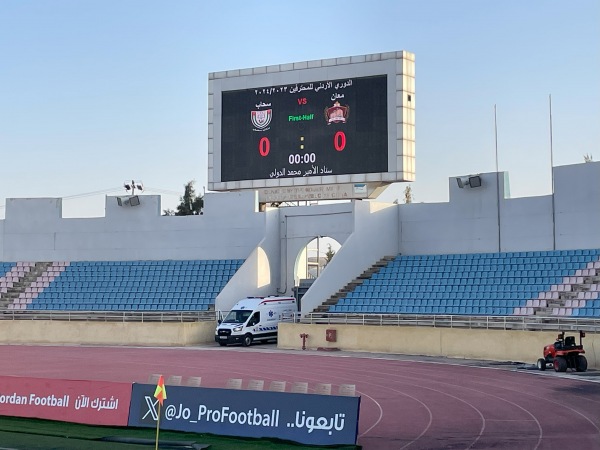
[
  {"x": 529, "y": 323},
  {"x": 111, "y": 316}
]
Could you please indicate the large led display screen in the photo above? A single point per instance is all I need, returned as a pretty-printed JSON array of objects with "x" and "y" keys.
[
  {"x": 318, "y": 128},
  {"x": 333, "y": 128}
]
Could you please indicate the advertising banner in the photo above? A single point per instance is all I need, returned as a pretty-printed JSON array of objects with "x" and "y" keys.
[
  {"x": 304, "y": 418},
  {"x": 88, "y": 402}
]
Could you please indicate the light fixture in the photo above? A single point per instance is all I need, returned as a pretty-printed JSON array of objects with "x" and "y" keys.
[
  {"x": 132, "y": 200},
  {"x": 475, "y": 181},
  {"x": 133, "y": 185},
  {"x": 472, "y": 181}
]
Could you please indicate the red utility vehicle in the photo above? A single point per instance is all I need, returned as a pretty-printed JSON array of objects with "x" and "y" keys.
[{"x": 564, "y": 354}]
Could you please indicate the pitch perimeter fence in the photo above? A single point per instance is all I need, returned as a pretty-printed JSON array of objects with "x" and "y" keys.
[{"x": 527, "y": 323}]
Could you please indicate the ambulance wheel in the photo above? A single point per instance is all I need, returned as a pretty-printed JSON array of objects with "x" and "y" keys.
[
  {"x": 247, "y": 340},
  {"x": 541, "y": 364}
]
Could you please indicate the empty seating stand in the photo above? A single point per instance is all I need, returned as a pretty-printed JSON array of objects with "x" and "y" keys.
[
  {"x": 6, "y": 279},
  {"x": 481, "y": 284},
  {"x": 190, "y": 285}
]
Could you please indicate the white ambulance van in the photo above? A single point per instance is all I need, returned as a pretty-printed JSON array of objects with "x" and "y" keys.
[{"x": 255, "y": 319}]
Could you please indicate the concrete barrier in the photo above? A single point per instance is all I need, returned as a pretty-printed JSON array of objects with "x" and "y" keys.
[
  {"x": 106, "y": 333},
  {"x": 493, "y": 345}
]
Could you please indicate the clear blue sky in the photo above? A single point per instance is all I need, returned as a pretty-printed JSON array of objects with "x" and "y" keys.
[{"x": 95, "y": 92}]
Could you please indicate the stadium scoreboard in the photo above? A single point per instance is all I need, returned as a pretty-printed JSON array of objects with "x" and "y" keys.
[{"x": 313, "y": 124}]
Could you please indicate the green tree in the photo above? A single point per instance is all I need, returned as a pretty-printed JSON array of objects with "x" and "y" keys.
[
  {"x": 588, "y": 158},
  {"x": 408, "y": 195},
  {"x": 329, "y": 254},
  {"x": 190, "y": 204}
]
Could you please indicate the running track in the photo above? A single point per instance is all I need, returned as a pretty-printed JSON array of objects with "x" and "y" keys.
[{"x": 406, "y": 403}]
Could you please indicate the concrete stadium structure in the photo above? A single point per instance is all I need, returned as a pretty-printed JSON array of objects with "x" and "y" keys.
[{"x": 272, "y": 243}]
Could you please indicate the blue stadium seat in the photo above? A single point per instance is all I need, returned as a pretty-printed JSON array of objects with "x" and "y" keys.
[
  {"x": 131, "y": 285},
  {"x": 485, "y": 283}
]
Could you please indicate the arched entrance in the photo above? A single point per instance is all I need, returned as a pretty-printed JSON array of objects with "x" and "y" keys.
[{"x": 311, "y": 261}]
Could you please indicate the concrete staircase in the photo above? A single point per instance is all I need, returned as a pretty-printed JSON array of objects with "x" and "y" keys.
[
  {"x": 302, "y": 288},
  {"x": 25, "y": 281},
  {"x": 323, "y": 308},
  {"x": 564, "y": 295}
]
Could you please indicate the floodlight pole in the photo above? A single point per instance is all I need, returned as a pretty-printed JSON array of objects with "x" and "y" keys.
[
  {"x": 497, "y": 182},
  {"x": 318, "y": 255},
  {"x": 133, "y": 185},
  {"x": 552, "y": 177}
]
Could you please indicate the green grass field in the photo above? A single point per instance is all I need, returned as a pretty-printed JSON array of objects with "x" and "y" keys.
[{"x": 30, "y": 434}]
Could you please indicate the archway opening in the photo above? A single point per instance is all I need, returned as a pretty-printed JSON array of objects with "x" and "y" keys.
[{"x": 311, "y": 261}]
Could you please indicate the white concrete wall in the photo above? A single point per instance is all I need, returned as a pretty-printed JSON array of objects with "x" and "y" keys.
[
  {"x": 374, "y": 236},
  {"x": 474, "y": 220},
  {"x": 260, "y": 274},
  {"x": 527, "y": 224},
  {"x": 468, "y": 223},
  {"x": 298, "y": 226},
  {"x": 34, "y": 230},
  {"x": 577, "y": 205}
]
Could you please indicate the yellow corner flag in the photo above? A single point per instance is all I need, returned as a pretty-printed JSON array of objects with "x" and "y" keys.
[{"x": 161, "y": 392}]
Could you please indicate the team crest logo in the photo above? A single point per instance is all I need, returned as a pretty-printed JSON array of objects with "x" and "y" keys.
[
  {"x": 336, "y": 113},
  {"x": 261, "y": 119}
]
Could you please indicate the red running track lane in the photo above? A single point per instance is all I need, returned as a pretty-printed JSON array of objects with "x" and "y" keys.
[{"x": 406, "y": 404}]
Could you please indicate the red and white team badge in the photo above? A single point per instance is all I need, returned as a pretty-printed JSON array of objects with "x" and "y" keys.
[
  {"x": 336, "y": 113},
  {"x": 261, "y": 119}
]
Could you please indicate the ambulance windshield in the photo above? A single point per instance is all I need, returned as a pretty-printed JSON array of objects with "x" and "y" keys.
[{"x": 237, "y": 316}]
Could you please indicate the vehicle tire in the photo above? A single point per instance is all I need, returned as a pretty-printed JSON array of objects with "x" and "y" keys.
[
  {"x": 541, "y": 364},
  {"x": 560, "y": 364},
  {"x": 247, "y": 340},
  {"x": 581, "y": 363},
  {"x": 223, "y": 344}
]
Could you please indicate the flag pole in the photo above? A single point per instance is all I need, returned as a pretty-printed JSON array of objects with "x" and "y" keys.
[
  {"x": 157, "y": 425},
  {"x": 160, "y": 394}
]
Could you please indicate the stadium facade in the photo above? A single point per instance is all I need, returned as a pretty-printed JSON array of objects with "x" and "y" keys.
[{"x": 272, "y": 242}]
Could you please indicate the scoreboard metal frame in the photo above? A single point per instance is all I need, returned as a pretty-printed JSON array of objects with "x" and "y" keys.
[{"x": 313, "y": 123}]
